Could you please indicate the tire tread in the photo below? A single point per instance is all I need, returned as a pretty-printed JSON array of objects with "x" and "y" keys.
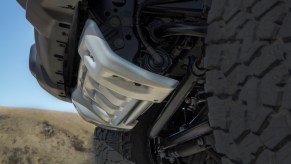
[{"x": 248, "y": 57}]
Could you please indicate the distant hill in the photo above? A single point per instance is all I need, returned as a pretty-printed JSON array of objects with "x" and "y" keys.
[{"x": 44, "y": 137}]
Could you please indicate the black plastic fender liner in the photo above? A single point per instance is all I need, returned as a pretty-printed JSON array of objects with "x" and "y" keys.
[
  {"x": 47, "y": 15},
  {"x": 42, "y": 77},
  {"x": 71, "y": 57},
  {"x": 32, "y": 60},
  {"x": 52, "y": 23},
  {"x": 22, "y": 3}
]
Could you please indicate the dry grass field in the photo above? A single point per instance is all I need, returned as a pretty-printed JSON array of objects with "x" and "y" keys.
[{"x": 44, "y": 137}]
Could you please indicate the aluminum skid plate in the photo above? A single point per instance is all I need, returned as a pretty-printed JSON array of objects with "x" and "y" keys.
[{"x": 113, "y": 92}]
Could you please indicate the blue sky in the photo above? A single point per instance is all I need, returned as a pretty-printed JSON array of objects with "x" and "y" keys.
[{"x": 18, "y": 88}]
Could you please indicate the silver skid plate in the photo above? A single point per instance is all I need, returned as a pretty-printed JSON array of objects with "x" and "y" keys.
[{"x": 113, "y": 92}]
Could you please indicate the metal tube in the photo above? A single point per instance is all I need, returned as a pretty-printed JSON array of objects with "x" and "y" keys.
[
  {"x": 186, "y": 150},
  {"x": 166, "y": 30},
  {"x": 187, "y": 135},
  {"x": 174, "y": 103},
  {"x": 139, "y": 110},
  {"x": 179, "y": 9},
  {"x": 156, "y": 56}
]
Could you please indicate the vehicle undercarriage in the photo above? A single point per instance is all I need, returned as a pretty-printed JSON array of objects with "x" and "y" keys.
[{"x": 183, "y": 79}]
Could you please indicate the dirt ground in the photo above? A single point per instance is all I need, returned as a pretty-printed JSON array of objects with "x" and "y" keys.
[{"x": 44, "y": 137}]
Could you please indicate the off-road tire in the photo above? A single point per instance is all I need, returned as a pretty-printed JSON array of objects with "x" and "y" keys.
[
  {"x": 131, "y": 147},
  {"x": 248, "y": 57}
]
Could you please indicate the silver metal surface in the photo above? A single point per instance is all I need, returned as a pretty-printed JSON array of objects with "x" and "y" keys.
[{"x": 113, "y": 92}]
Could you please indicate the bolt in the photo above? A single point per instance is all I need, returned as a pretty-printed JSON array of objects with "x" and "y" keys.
[
  {"x": 115, "y": 22},
  {"x": 200, "y": 141},
  {"x": 187, "y": 101},
  {"x": 182, "y": 128},
  {"x": 172, "y": 160},
  {"x": 118, "y": 43},
  {"x": 162, "y": 155},
  {"x": 119, "y": 3}
]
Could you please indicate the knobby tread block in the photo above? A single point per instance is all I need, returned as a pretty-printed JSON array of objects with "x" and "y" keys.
[
  {"x": 218, "y": 117},
  {"x": 248, "y": 57},
  {"x": 214, "y": 59},
  {"x": 263, "y": 7},
  {"x": 237, "y": 125},
  {"x": 216, "y": 12},
  {"x": 283, "y": 155},
  {"x": 286, "y": 103},
  {"x": 232, "y": 7},
  {"x": 112, "y": 147},
  {"x": 270, "y": 23},
  {"x": 277, "y": 131},
  {"x": 266, "y": 157},
  {"x": 271, "y": 86},
  {"x": 125, "y": 147},
  {"x": 285, "y": 29}
]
